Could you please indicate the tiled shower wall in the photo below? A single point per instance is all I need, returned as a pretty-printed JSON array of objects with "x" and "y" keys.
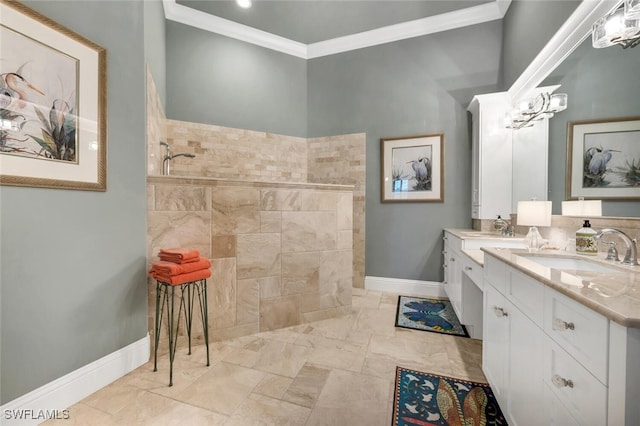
[
  {"x": 228, "y": 153},
  {"x": 341, "y": 160},
  {"x": 281, "y": 253}
]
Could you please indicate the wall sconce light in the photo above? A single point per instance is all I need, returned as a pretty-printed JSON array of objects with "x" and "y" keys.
[
  {"x": 529, "y": 111},
  {"x": 622, "y": 27}
]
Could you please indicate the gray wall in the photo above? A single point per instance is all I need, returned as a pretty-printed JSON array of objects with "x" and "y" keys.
[
  {"x": 73, "y": 277},
  {"x": 399, "y": 89},
  {"x": 218, "y": 80},
  {"x": 527, "y": 27},
  {"x": 601, "y": 83},
  {"x": 155, "y": 46}
]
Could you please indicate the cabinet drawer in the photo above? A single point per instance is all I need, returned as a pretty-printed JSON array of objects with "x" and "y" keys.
[
  {"x": 472, "y": 270},
  {"x": 583, "y": 333},
  {"x": 527, "y": 294},
  {"x": 495, "y": 271},
  {"x": 578, "y": 390}
]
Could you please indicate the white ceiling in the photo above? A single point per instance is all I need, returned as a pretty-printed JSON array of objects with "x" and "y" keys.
[{"x": 310, "y": 29}]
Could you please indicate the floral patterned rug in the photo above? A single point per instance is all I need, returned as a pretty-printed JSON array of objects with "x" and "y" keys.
[
  {"x": 429, "y": 315},
  {"x": 428, "y": 399}
]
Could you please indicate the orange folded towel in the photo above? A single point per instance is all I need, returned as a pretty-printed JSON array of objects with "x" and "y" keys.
[
  {"x": 179, "y": 253},
  {"x": 179, "y": 261},
  {"x": 183, "y": 278},
  {"x": 170, "y": 268}
]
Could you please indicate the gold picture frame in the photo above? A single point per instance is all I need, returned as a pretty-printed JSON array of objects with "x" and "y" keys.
[
  {"x": 412, "y": 169},
  {"x": 603, "y": 159},
  {"x": 53, "y": 107}
]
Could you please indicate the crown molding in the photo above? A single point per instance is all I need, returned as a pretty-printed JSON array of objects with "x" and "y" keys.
[
  {"x": 570, "y": 35},
  {"x": 204, "y": 21},
  {"x": 446, "y": 21},
  {"x": 419, "y": 27}
]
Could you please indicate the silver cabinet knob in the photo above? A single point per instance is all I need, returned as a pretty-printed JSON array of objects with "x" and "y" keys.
[
  {"x": 560, "y": 325},
  {"x": 468, "y": 268},
  {"x": 561, "y": 382},
  {"x": 453, "y": 259},
  {"x": 500, "y": 312}
]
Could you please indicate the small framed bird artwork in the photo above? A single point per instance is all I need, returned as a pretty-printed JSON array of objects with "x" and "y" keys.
[
  {"x": 52, "y": 103},
  {"x": 412, "y": 168},
  {"x": 603, "y": 159}
]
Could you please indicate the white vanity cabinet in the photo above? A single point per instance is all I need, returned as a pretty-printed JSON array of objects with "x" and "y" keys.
[
  {"x": 513, "y": 343},
  {"x": 553, "y": 361},
  {"x": 463, "y": 280}
]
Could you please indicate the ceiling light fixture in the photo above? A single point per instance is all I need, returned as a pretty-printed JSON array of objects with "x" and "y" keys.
[
  {"x": 529, "y": 111},
  {"x": 622, "y": 27},
  {"x": 245, "y": 4}
]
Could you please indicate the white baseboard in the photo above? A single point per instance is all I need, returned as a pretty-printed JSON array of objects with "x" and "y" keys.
[
  {"x": 402, "y": 286},
  {"x": 52, "y": 399}
]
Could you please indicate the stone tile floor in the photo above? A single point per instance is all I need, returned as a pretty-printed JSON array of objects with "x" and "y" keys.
[{"x": 338, "y": 371}]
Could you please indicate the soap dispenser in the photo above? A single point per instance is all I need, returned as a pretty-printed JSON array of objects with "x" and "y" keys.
[{"x": 585, "y": 241}]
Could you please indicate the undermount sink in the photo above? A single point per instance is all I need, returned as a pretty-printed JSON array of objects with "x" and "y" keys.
[{"x": 569, "y": 263}]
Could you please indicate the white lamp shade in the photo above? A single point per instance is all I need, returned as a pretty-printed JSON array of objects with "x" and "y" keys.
[
  {"x": 582, "y": 208},
  {"x": 534, "y": 213}
]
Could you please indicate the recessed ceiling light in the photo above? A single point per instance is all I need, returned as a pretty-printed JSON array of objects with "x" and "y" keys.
[{"x": 245, "y": 4}]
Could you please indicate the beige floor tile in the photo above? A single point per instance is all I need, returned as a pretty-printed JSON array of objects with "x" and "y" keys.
[
  {"x": 113, "y": 398},
  {"x": 351, "y": 398},
  {"x": 313, "y": 341},
  {"x": 262, "y": 410},
  {"x": 82, "y": 414},
  {"x": 337, "y": 358},
  {"x": 222, "y": 389},
  {"x": 376, "y": 321},
  {"x": 307, "y": 386},
  {"x": 273, "y": 386},
  {"x": 371, "y": 299},
  {"x": 332, "y": 372},
  {"x": 282, "y": 358}
]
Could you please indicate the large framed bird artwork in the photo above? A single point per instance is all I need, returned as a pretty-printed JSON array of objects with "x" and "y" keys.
[
  {"x": 603, "y": 159},
  {"x": 52, "y": 103},
  {"x": 412, "y": 168}
]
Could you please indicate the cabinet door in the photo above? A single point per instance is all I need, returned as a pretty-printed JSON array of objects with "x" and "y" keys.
[
  {"x": 556, "y": 413},
  {"x": 525, "y": 384},
  {"x": 495, "y": 349}
]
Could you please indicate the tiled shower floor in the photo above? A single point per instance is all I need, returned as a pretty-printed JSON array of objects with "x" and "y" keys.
[{"x": 339, "y": 371}]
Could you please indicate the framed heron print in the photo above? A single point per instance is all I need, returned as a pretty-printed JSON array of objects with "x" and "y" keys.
[
  {"x": 603, "y": 159},
  {"x": 412, "y": 169},
  {"x": 52, "y": 103}
]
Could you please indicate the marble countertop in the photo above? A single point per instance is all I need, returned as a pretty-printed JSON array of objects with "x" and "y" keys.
[
  {"x": 477, "y": 255},
  {"x": 467, "y": 234},
  {"x": 614, "y": 294}
]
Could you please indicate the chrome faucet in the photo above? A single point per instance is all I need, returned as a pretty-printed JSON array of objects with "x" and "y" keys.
[
  {"x": 631, "y": 258},
  {"x": 166, "y": 160}
]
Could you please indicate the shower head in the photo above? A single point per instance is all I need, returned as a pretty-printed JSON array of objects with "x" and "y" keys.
[{"x": 163, "y": 143}]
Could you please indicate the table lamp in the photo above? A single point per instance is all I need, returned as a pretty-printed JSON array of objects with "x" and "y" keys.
[
  {"x": 533, "y": 214},
  {"x": 582, "y": 208}
]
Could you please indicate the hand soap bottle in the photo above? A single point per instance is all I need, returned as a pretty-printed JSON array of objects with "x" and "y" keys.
[{"x": 585, "y": 241}]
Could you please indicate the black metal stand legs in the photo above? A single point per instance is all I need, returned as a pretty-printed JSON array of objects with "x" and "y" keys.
[{"x": 164, "y": 300}]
